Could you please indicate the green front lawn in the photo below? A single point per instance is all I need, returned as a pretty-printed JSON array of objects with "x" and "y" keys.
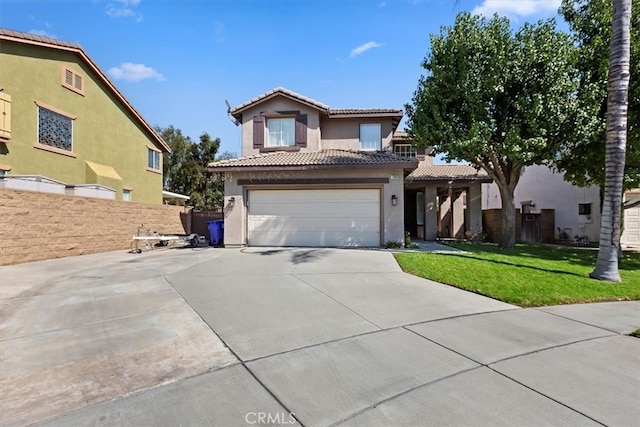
[{"x": 530, "y": 276}]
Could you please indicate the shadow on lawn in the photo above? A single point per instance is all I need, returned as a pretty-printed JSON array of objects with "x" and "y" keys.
[
  {"x": 511, "y": 264},
  {"x": 574, "y": 255}
]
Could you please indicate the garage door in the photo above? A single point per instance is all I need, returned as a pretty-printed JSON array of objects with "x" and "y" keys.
[
  {"x": 339, "y": 217},
  {"x": 631, "y": 233}
]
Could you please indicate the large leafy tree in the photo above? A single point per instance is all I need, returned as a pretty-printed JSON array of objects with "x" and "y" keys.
[
  {"x": 496, "y": 99},
  {"x": 583, "y": 156},
  {"x": 185, "y": 168},
  {"x": 616, "y": 141}
]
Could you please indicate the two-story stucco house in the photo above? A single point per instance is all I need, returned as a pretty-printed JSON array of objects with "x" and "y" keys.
[
  {"x": 63, "y": 119},
  {"x": 312, "y": 175}
]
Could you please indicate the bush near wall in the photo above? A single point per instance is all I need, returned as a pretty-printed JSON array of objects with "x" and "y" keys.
[{"x": 37, "y": 226}]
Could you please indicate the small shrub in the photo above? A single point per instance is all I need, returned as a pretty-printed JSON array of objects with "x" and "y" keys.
[
  {"x": 407, "y": 239},
  {"x": 393, "y": 245},
  {"x": 478, "y": 237}
]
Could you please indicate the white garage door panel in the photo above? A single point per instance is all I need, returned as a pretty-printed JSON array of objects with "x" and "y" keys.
[
  {"x": 631, "y": 233},
  {"x": 306, "y": 209},
  {"x": 314, "y": 217}
]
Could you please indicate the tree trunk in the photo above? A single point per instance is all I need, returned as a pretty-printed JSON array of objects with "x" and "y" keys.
[
  {"x": 617, "y": 102},
  {"x": 508, "y": 226}
]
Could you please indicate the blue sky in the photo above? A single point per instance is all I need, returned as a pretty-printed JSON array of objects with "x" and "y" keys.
[{"x": 178, "y": 60}]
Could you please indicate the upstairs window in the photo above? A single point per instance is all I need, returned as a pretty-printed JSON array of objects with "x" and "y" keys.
[
  {"x": 370, "y": 137},
  {"x": 281, "y": 132},
  {"x": 404, "y": 150},
  {"x": 72, "y": 80},
  {"x": 55, "y": 129},
  {"x": 153, "y": 159}
]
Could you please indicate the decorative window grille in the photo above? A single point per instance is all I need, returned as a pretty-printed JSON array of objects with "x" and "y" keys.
[{"x": 55, "y": 129}]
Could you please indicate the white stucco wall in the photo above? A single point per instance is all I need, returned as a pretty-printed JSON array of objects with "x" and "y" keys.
[{"x": 548, "y": 190}]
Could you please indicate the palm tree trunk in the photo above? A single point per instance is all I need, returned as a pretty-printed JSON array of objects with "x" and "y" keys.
[{"x": 617, "y": 102}]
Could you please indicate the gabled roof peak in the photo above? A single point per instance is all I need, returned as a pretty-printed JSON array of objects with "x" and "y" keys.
[
  {"x": 32, "y": 39},
  {"x": 237, "y": 110}
]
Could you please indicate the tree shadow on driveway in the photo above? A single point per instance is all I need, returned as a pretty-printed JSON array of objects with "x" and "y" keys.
[{"x": 298, "y": 256}]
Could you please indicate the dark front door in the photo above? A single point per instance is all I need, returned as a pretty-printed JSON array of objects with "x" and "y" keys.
[
  {"x": 410, "y": 223},
  {"x": 414, "y": 213}
]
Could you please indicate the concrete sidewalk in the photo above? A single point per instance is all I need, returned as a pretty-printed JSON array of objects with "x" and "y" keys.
[{"x": 309, "y": 336}]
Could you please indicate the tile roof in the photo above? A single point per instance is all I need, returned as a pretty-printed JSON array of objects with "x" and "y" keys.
[
  {"x": 363, "y": 111},
  {"x": 401, "y": 134},
  {"x": 325, "y": 159},
  {"x": 448, "y": 173},
  {"x": 32, "y": 37},
  {"x": 20, "y": 37},
  {"x": 236, "y": 111}
]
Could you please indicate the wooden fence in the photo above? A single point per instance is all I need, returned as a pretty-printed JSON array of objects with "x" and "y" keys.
[{"x": 199, "y": 219}]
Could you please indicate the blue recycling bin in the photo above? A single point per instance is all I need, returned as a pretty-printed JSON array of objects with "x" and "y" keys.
[{"x": 216, "y": 231}]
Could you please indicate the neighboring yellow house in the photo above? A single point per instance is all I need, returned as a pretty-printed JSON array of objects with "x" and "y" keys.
[{"x": 61, "y": 118}]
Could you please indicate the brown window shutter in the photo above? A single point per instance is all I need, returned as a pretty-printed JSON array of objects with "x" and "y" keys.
[
  {"x": 301, "y": 130},
  {"x": 5, "y": 116},
  {"x": 258, "y": 131}
]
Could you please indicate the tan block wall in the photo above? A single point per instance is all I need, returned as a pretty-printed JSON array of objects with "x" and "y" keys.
[{"x": 37, "y": 226}]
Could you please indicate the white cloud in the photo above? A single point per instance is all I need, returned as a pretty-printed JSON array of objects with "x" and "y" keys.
[
  {"x": 42, "y": 33},
  {"x": 363, "y": 48},
  {"x": 130, "y": 72},
  {"x": 123, "y": 9},
  {"x": 519, "y": 8}
]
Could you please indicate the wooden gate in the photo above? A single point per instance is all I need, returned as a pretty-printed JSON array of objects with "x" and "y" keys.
[{"x": 199, "y": 220}]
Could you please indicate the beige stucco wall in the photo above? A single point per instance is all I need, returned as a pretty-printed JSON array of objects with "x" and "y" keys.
[
  {"x": 104, "y": 131},
  {"x": 36, "y": 226},
  {"x": 322, "y": 132},
  {"x": 280, "y": 104},
  {"x": 345, "y": 133},
  {"x": 235, "y": 226}
]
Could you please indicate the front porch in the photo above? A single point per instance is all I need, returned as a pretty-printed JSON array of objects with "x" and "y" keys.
[{"x": 443, "y": 201}]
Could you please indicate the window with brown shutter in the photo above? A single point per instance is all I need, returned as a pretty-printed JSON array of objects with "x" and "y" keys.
[
  {"x": 301, "y": 130},
  {"x": 5, "y": 117},
  {"x": 258, "y": 131}
]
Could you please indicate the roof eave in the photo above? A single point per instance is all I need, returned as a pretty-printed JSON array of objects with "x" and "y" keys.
[
  {"x": 403, "y": 165},
  {"x": 449, "y": 179}
]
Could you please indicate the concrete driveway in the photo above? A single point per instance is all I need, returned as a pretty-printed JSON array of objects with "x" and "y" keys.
[{"x": 315, "y": 337}]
